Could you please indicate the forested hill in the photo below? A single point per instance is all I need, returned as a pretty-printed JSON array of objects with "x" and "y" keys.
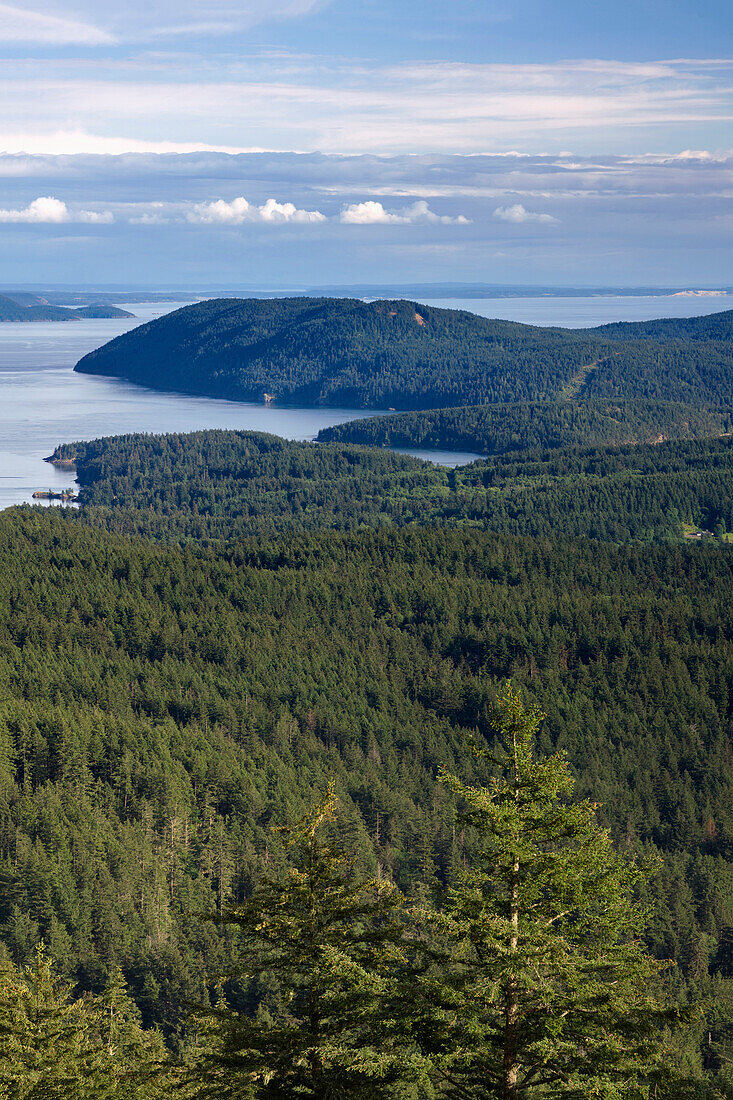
[
  {"x": 232, "y": 621},
  {"x": 402, "y": 355},
  {"x": 162, "y": 708},
  {"x": 712, "y": 326},
  {"x": 497, "y": 429}
]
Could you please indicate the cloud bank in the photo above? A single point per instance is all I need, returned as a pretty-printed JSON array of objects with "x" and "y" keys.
[
  {"x": 517, "y": 214},
  {"x": 234, "y": 212},
  {"x": 47, "y": 210},
  {"x": 563, "y": 218},
  {"x": 373, "y": 213}
]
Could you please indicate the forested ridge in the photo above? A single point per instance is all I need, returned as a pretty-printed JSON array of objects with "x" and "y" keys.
[
  {"x": 496, "y": 429},
  {"x": 404, "y": 355},
  {"x": 223, "y": 484}
]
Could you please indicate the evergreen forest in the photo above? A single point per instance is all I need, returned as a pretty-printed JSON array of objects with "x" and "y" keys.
[
  {"x": 328, "y": 772},
  {"x": 224, "y": 484},
  {"x": 404, "y": 355},
  {"x": 498, "y": 429}
]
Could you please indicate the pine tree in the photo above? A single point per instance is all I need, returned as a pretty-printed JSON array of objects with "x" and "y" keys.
[
  {"x": 48, "y": 1046},
  {"x": 323, "y": 947},
  {"x": 543, "y": 988},
  {"x": 54, "y": 1046}
]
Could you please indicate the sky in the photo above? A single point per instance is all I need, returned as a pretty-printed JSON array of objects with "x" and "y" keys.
[{"x": 290, "y": 143}]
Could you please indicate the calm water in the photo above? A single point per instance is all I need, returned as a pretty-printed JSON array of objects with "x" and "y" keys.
[
  {"x": 585, "y": 312},
  {"x": 44, "y": 403}
]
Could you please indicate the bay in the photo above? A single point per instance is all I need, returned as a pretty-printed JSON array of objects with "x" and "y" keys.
[{"x": 44, "y": 403}]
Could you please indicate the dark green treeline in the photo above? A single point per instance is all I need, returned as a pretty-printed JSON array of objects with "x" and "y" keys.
[
  {"x": 223, "y": 484},
  {"x": 162, "y": 708}
]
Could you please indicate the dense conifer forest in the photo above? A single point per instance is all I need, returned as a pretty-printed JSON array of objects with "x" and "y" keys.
[
  {"x": 328, "y": 772},
  {"x": 404, "y": 355},
  {"x": 496, "y": 429},
  {"x": 219, "y": 484},
  {"x": 164, "y": 706}
]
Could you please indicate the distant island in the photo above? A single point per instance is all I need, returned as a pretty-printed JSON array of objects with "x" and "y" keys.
[
  {"x": 40, "y": 310},
  {"x": 401, "y": 355}
]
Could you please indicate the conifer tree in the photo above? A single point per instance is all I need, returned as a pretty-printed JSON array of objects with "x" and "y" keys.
[
  {"x": 48, "y": 1046},
  {"x": 136, "y": 1059},
  {"x": 323, "y": 945},
  {"x": 54, "y": 1046},
  {"x": 544, "y": 988}
]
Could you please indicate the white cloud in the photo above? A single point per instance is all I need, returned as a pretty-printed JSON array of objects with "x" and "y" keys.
[
  {"x": 46, "y": 210},
  {"x": 368, "y": 213},
  {"x": 80, "y": 142},
  {"x": 139, "y": 20},
  {"x": 518, "y": 215},
  {"x": 24, "y": 25},
  {"x": 167, "y": 101},
  {"x": 273, "y": 211},
  {"x": 239, "y": 211},
  {"x": 373, "y": 213}
]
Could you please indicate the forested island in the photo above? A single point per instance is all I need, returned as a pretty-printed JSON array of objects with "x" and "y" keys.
[
  {"x": 36, "y": 309},
  {"x": 403, "y": 355}
]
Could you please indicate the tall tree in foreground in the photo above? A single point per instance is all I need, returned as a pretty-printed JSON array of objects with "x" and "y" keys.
[
  {"x": 548, "y": 991},
  {"x": 323, "y": 947}
]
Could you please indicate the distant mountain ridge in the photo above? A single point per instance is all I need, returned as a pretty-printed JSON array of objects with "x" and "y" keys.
[
  {"x": 396, "y": 354},
  {"x": 12, "y": 310}
]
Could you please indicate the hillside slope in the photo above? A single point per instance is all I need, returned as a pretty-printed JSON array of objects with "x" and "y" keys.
[
  {"x": 403, "y": 355},
  {"x": 498, "y": 429},
  {"x": 324, "y": 351},
  {"x": 162, "y": 708},
  {"x": 212, "y": 485}
]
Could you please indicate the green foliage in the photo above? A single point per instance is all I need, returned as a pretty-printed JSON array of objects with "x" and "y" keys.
[
  {"x": 220, "y": 485},
  {"x": 528, "y": 426},
  {"x": 403, "y": 355},
  {"x": 54, "y": 1046},
  {"x": 163, "y": 707},
  {"x": 320, "y": 945},
  {"x": 545, "y": 986}
]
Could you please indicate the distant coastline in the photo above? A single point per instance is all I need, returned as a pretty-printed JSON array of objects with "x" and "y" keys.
[
  {"x": 36, "y": 308},
  {"x": 75, "y": 298}
]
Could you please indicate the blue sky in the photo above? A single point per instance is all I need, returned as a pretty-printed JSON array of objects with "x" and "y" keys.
[{"x": 296, "y": 142}]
